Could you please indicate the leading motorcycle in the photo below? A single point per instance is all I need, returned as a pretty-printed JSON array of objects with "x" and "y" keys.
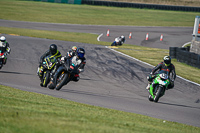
[
  {"x": 158, "y": 86},
  {"x": 48, "y": 67}
]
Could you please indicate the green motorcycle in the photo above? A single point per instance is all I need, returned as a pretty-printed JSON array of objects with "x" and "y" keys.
[{"x": 159, "y": 85}]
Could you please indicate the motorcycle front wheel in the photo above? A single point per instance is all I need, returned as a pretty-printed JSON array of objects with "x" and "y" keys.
[
  {"x": 61, "y": 80},
  {"x": 158, "y": 94},
  {"x": 46, "y": 78},
  {"x": 150, "y": 98}
]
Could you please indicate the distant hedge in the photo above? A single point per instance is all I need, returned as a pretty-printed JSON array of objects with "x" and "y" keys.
[{"x": 137, "y": 5}]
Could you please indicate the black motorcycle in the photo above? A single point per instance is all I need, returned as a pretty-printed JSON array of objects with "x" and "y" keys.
[
  {"x": 64, "y": 74},
  {"x": 48, "y": 66}
]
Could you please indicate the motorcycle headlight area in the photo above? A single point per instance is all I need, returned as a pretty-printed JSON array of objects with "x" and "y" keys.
[
  {"x": 163, "y": 76},
  {"x": 163, "y": 83}
]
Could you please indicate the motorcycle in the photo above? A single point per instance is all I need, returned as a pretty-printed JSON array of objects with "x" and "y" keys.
[
  {"x": 2, "y": 58},
  {"x": 159, "y": 85},
  {"x": 118, "y": 41},
  {"x": 48, "y": 67},
  {"x": 115, "y": 43},
  {"x": 64, "y": 74}
]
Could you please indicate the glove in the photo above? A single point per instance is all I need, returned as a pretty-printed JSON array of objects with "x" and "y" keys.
[{"x": 62, "y": 59}]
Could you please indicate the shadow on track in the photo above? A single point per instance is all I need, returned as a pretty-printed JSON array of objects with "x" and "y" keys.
[
  {"x": 15, "y": 73},
  {"x": 179, "y": 105},
  {"x": 107, "y": 95}
]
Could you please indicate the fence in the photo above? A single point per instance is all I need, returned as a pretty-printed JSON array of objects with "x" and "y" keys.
[
  {"x": 137, "y": 5},
  {"x": 183, "y": 55}
]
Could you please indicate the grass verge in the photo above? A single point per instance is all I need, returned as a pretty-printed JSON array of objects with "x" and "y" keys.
[
  {"x": 28, "y": 112},
  {"x": 94, "y": 15}
]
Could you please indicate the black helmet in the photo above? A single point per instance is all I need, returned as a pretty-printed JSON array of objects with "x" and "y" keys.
[
  {"x": 167, "y": 60},
  {"x": 80, "y": 52},
  {"x": 53, "y": 49}
]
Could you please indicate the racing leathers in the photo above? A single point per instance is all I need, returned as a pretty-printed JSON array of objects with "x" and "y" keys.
[
  {"x": 118, "y": 41},
  {"x": 71, "y": 54},
  {"x": 162, "y": 66},
  {"x": 76, "y": 61},
  {"x": 57, "y": 55},
  {"x": 4, "y": 48}
]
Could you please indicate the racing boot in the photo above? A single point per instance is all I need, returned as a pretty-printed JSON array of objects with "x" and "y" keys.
[
  {"x": 148, "y": 86},
  {"x": 40, "y": 71},
  {"x": 41, "y": 84},
  {"x": 4, "y": 61}
]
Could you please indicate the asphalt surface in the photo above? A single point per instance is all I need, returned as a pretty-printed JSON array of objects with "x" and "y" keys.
[
  {"x": 110, "y": 79},
  {"x": 172, "y": 36}
]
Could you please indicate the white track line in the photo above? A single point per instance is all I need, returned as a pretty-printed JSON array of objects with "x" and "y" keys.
[
  {"x": 185, "y": 44},
  {"x": 151, "y": 65},
  {"x": 99, "y": 36}
]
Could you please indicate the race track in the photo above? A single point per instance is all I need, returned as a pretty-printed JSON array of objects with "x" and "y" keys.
[{"x": 110, "y": 80}]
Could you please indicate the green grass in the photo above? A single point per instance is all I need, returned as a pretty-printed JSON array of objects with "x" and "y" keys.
[
  {"x": 95, "y": 15},
  {"x": 193, "y": 3},
  {"x": 27, "y": 112}
]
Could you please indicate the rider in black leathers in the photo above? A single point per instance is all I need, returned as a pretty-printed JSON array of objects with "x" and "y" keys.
[
  {"x": 166, "y": 65},
  {"x": 52, "y": 51},
  {"x": 78, "y": 59}
]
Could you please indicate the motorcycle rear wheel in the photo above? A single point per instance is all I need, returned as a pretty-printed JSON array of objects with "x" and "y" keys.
[{"x": 113, "y": 44}]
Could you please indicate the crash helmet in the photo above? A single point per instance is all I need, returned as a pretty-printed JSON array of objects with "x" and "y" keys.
[
  {"x": 167, "y": 60},
  {"x": 122, "y": 37},
  {"x": 2, "y": 38},
  {"x": 74, "y": 48},
  {"x": 80, "y": 52},
  {"x": 53, "y": 49}
]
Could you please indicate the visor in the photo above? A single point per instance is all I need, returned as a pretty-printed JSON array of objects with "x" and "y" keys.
[{"x": 80, "y": 55}]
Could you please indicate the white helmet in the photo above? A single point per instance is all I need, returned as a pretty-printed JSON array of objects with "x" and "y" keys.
[
  {"x": 122, "y": 36},
  {"x": 2, "y": 39}
]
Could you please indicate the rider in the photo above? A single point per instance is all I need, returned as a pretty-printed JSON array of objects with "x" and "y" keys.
[
  {"x": 119, "y": 40},
  {"x": 52, "y": 51},
  {"x": 122, "y": 39},
  {"x": 4, "y": 47},
  {"x": 77, "y": 59},
  {"x": 72, "y": 52},
  {"x": 80, "y": 56},
  {"x": 166, "y": 65}
]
